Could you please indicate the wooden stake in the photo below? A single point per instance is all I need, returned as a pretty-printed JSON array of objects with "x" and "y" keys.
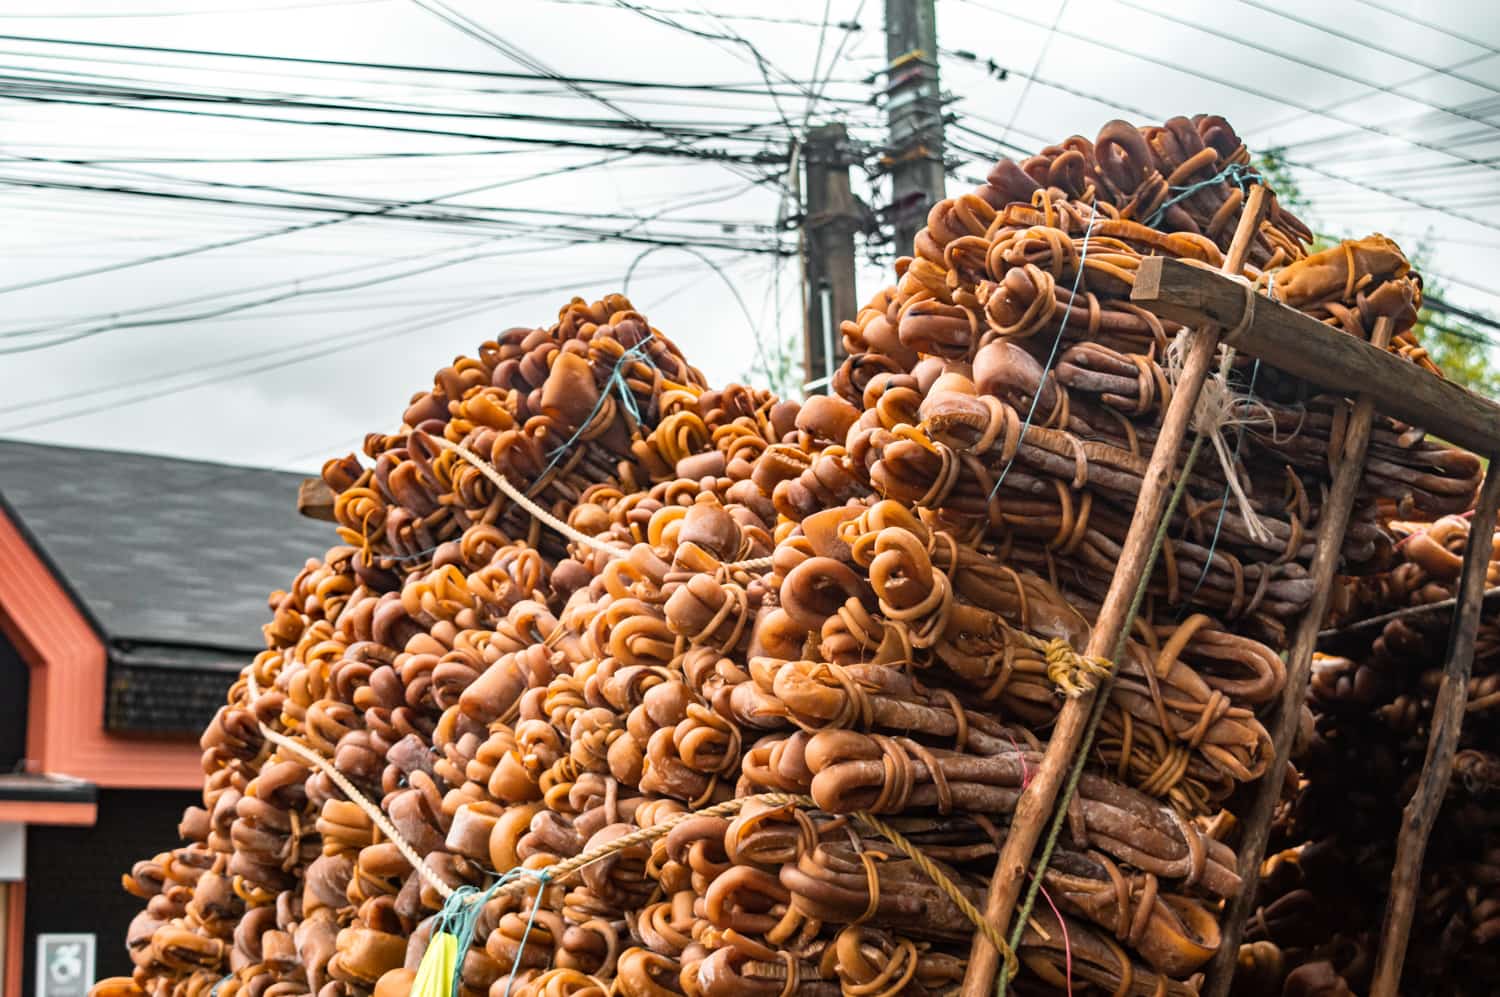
[
  {"x": 1447, "y": 721},
  {"x": 1357, "y": 637},
  {"x": 1036, "y": 802},
  {"x": 1332, "y": 522}
]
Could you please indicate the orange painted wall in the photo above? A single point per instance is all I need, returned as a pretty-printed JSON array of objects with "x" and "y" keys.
[{"x": 65, "y": 731}]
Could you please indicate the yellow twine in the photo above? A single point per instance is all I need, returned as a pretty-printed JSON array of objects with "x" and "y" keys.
[{"x": 931, "y": 870}]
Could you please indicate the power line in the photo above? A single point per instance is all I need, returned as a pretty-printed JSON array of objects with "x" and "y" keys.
[
  {"x": 1366, "y": 43},
  {"x": 710, "y": 155},
  {"x": 158, "y": 377},
  {"x": 762, "y": 18},
  {"x": 274, "y": 233},
  {"x": 389, "y": 66},
  {"x": 401, "y": 327},
  {"x": 1344, "y": 102},
  {"x": 136, "y": 15},
  {"x": 1301, "y": 164},
  {"x": 345, "y": 157},
  {"x": 1114, "y": 46},
  {"x": 1036, "y": 67},
  {"x": 1321, "y": 67},
  {"x": 689, "y": 130},
  {"x": 112, "y": 321}
]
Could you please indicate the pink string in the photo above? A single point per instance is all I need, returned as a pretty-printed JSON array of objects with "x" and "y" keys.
[
  {"x": 1025, "y": 772},
  {"x": 1460, "y": 515},
  {"x": 1067, "y": 943}
]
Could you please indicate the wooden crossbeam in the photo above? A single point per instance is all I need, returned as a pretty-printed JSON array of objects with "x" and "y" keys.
[{"x": 1306, "y": 348}]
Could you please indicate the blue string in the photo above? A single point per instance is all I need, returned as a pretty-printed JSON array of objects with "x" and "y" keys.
[
  {"x": 1239, "y": 174},
  {"x": 460, "y": 915},
  {"x": 215, "y": 991},
  {"x": 615, "y": 382},
  {"x": 515, "y": 964},
  {"x": 1051, "y": 357}
]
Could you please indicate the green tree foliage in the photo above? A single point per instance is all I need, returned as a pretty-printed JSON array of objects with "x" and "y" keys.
[
  {"x": 1460, "y": 348},
  {"x": 779, "y": 367}
]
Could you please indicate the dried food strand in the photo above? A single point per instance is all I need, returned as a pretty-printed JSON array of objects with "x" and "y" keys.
[
  {"x": 1052, "y": 356},
  {"x": 547, "y": 519},
  {"x": 616, "y": 381},
  {"x": 930, "y": 869}
]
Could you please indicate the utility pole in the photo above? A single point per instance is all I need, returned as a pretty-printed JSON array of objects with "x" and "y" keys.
[
  {"x": 828, "y": 226},
  {"x": 914, "y": 116}
]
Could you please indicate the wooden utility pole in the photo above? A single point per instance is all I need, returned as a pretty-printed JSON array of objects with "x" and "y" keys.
[
  {"x": 914, "y": 116},
  {"x": 827, "y": 252}
]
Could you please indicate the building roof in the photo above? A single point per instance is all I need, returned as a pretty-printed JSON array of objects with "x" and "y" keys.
[{"x": 162, "y": 551}]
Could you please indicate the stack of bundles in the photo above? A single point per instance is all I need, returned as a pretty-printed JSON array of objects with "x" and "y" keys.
[
  {"x": 1012, "y": 275},
  {"x": 765, "y": 597},
  {"x": 1322, "y": 898}
]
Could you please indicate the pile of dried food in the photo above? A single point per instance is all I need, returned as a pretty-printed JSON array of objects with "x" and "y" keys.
[
  {"x": 875, "y": 600},
  {"x": 1323, "y": 895}
]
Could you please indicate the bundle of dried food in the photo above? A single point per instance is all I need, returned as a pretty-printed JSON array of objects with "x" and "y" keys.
[
  {"x": 585, "y": 605},
  {"x": 1322, "y": 896}
]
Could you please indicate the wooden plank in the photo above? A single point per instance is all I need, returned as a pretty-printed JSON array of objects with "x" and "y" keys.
[
  {"x": 315, "y": 500},
  {"x": 1332, "y": 522},
  {"x": 1421, "y": 812},
  {"x": 1034, "y": 808},
  {"x": 1318, "y": 354},
  {"x": 1356, "y": 638}
]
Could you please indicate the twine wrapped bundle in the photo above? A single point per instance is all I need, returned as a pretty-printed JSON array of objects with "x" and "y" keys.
[
  {"x": 735, "y": 694},
  {"x": 1322, "y": 895},
  {"x": 1010, "y": 385}
]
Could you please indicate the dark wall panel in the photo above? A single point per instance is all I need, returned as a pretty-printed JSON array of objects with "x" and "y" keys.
[
  {"x": 15, "y": 683},
  {"x": 73, "y": 873}
]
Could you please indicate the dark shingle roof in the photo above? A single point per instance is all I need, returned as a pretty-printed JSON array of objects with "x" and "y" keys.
[{"x": 161, "y": 550}]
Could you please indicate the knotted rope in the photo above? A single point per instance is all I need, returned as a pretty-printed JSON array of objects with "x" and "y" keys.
[{"x": 1220, "y": 407}]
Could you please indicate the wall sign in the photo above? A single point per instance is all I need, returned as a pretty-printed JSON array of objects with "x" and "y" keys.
[{"x": 64, "y": 965}]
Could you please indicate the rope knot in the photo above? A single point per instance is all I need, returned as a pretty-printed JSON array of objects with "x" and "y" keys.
[{"x": 1071, "y": 672}]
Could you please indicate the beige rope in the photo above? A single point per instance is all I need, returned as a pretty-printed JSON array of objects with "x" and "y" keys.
[
  {"x": 520, "y": 498},
  {"x": 547, "y": 519},
  {"x": 1218, "y": 406},
  {"x": 931, "y": 870},
  {"x": 567, "y": 867}
]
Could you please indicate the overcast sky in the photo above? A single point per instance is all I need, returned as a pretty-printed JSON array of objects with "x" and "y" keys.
[{"x": 1395, "y": 116}]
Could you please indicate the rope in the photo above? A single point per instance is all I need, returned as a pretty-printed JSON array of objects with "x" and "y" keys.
[
  {"x": 355, "y": 796},
  {"x": 1218, "y": 407},
  {"x": 547, "y": 519},
  {"x": 1070, "y": 671},
  {"x": 1065, "y": 798},
  {"x": 931, "y": 870},
  {"x": 461, "y": 905}
]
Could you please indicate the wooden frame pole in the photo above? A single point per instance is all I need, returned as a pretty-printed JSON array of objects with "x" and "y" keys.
[
  {"x": 1421, "y": 812},
  {"x": 1036, "y": 802},
  {"x": 1332, "y": 522}
]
